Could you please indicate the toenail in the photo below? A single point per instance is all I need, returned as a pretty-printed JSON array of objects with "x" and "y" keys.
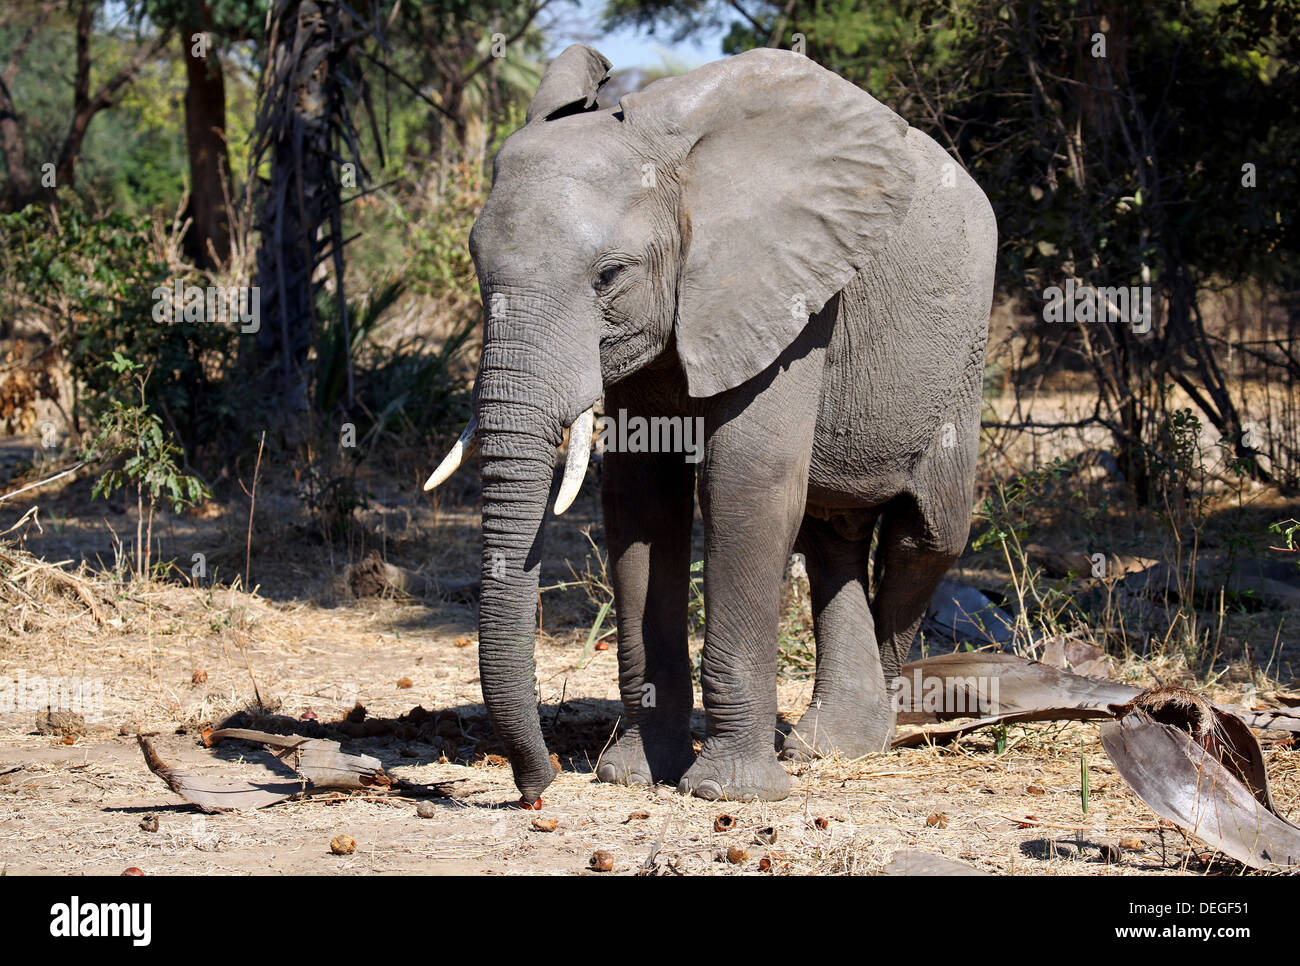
[{"x": 708, "y": 789}]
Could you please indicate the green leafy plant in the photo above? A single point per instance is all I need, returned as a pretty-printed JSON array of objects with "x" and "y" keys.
[
  {"x": 1000, "y": 733},
  {"x": 90, "y": 280},
  {"x": 1289, "y": 530},
  {"x": 134, "y": 435},
  {"x": 1177, "y": 468},
  {"x": 1008, "y": 510}
]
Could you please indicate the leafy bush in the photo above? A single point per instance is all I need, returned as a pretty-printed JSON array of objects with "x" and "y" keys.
[
  {"x": 91, "y": 280},
  {"x": 132, "y": 432}
]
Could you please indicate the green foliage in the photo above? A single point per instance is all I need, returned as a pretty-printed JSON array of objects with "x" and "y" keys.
[
  {"x": 138, "y": 454},
  {"x": 1289, "y": 530},
  {"x": 1174, "y": 458},
  {"x": 1009, "y": 510},
  {"x": 232, "y": 19},
  {"x": 435, "y": 242},
  {"x": 136, "y": 433},
  {"x": 93, "y": 279},
  {"x": 418, "y": 384},
  {"x": 133, "y": 155},
  {"x": 332, "y": 348},
  {"x": 412, "y": 386}
]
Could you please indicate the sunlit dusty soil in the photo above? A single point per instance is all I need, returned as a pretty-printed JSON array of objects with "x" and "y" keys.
[
  {"x": 73, "y": 808},
  {"x": 174, "y": 659}
]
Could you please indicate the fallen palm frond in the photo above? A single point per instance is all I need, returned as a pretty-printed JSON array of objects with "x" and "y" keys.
[
  {"x": 319, "y": 764},
  {"x": 1194, "y": 763},
  {"x": 215, "y": 793},
  {"x": 1200, "y": 767},
  {"x": 319, "y": 761},
  {"x": 990, "y": 688}
]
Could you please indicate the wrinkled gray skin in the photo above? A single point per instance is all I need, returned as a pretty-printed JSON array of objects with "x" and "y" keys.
[{"x": 761, "y": 244}]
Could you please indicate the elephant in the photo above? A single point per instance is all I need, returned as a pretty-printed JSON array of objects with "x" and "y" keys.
[{"x": 761, "y": 246}]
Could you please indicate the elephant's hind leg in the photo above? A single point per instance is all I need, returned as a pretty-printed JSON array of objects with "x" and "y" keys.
[
  {"x": 851, "y": 713},
  {"x": 649, "y": 502},
  {"x": 914, "y": 550}
]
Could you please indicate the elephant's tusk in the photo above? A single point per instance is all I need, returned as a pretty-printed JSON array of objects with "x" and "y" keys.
[
  {"x": 575, "y": 464},
  {"x": 464, "y": 446}
]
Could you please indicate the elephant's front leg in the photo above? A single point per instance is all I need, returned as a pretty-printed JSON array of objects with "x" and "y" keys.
[
  {"x": 649, "y": 501},
  {"x": 753, "y": 486}
]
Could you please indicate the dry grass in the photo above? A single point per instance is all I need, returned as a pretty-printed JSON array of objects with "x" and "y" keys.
[
  {"x": 299, "y": 646},
  {"x": 77, "y": 807}
]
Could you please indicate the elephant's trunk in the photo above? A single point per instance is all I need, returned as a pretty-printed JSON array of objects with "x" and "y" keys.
[
  {"x": 534, "y": 374},
  {"x": 517, "y": 439},
  {"x": 517, "y": 471}
]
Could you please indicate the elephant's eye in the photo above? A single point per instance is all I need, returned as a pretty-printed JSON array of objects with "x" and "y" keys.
[{"x": 608, "y": 275}]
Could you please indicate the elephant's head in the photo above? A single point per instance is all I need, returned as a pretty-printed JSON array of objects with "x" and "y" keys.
[{"x": 698, "y": 224}]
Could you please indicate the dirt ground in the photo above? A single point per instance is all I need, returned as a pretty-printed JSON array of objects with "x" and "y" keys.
[
  {"x": 299, "y": 653},
  {"x": 78, "y": 808}
]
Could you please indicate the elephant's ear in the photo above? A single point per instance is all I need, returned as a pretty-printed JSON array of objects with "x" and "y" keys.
[
  {"x": 793, "y": 179},
  {"x": 570, "y": 83}
]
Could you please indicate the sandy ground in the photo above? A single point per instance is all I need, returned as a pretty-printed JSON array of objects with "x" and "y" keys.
[
  {"x": 171, "y": 660},
  {"x": 79, "y": 808}
]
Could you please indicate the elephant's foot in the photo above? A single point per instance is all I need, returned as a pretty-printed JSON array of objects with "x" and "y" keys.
[
  {"x": 725, "y": 773},
  {"x": 637, "y": 759},
  {"x": 823, "y": 732}
]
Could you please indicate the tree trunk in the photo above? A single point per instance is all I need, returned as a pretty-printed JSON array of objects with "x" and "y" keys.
[
  {"x": 296, "y": 129},
  {"x": 21, "y": 187},
  {"x": 207, "y": 242},
  {"x": 85, "y": 105}
]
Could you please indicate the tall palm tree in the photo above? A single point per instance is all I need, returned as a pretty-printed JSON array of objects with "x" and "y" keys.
[{"x": 309, "y": 90}]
